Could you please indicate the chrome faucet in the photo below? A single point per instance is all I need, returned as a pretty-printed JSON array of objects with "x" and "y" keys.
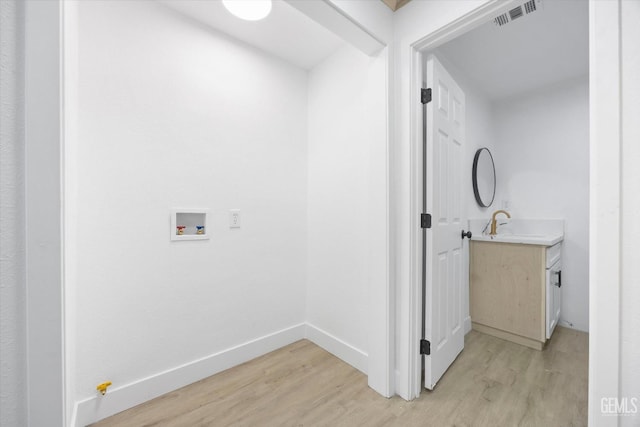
[{"x": 494, "y": 222}]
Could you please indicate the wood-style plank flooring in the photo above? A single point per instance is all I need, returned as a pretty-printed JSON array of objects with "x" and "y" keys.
[{"x": 492, "y": 383}]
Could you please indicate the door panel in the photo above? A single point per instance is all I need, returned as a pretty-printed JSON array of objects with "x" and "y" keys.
[
  {"x": 445, "y": 149},
  {"x": 554, "y": 298},
  {"x": 442, "y": 163}
]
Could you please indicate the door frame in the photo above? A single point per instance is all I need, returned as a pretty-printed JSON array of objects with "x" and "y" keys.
[
  {"x": 408, "y": 381},
  {"x": 605, "y": 140},
  {"x": 46, "y": 385}
]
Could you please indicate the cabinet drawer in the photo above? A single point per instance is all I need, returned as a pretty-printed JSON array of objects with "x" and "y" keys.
[{"x": 553, "y": 254}]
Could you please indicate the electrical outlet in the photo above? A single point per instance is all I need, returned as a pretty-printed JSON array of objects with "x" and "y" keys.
[{"x": 234, "y": 218}]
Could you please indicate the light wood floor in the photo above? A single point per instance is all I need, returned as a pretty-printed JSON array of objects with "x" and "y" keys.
[{"x": 492, "y": 383}]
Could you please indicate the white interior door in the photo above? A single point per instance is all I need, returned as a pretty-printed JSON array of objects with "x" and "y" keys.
[{"x": 444, "y": 264}]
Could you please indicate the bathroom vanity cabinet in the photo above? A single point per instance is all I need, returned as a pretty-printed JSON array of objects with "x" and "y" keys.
[{"x": 515, "y": 290}]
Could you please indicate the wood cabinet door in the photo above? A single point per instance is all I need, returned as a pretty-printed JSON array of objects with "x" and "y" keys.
[{"x": 507, "y": 288}]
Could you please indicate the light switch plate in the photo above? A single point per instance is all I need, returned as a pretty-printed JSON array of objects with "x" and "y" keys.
[{"x": 234, "y": 218}]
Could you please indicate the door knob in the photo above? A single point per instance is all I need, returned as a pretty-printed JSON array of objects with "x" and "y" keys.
[{"x": 467, "y": 234}]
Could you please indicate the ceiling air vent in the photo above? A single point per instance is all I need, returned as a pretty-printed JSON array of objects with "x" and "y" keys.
[
  {"x": 530, "y": 6},
  {"x": 518, "y": 12},
  {"x": 502, "y": 20}
]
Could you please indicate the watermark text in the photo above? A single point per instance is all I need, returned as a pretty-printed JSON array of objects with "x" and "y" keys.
[{"x": 619, "y": 405}]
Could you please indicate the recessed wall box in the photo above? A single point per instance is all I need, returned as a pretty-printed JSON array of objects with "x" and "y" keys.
[{"x": 189, "y": 224}]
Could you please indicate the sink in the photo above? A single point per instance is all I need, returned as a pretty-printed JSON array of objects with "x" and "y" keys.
[{"x": 545, "y": 232}]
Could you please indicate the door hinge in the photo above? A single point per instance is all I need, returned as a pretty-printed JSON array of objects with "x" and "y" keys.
[
  {"x": 425, "y": 347},
  {"x": 425, "y": 96},
  {"x": 425, "y": 220}
]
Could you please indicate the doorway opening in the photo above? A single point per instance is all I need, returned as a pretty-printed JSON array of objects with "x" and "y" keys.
[{"x": 526, "y": 88}]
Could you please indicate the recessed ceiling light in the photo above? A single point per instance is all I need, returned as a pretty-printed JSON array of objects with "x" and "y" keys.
[{"x": 250, "y": 10}]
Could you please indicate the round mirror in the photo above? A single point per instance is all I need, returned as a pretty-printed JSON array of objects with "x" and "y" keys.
[{"x": 484, "y": 177}]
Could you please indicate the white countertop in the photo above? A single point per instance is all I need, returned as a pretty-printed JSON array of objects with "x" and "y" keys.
[
  {"x": 526, "y": 239},
  {"x": 544, "y": 232}
]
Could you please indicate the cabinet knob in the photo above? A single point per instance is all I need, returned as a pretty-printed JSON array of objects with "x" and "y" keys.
[{"x": 467, "y": 234}]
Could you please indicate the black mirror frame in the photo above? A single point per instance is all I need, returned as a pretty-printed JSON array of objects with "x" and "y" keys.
[{"x": 475, "y": 178}]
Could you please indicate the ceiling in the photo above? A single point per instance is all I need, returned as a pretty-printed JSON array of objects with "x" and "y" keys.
[
  {"x": 548, "y": 46},
  {"x": 285, "y": 33}
]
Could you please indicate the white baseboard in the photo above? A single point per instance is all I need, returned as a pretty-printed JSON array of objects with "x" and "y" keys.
[
  {"x": 127, "y": 396},
  {"x": 467, "y": 325},
  {"x": 571, "y": 325},
  {"x": 349, "y": 354}
]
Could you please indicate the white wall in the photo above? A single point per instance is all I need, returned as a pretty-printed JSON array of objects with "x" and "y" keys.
[
  {"x": 542, "y": 153},
  {"x": 346, "y": 197},
  {"x": 172, "y": 114},
  {"x": 630, "y": 291},
  {"x": 13, "y": 405},
  {"x": 480, "y": 133},
  {"x": 374, "y": 17}
]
